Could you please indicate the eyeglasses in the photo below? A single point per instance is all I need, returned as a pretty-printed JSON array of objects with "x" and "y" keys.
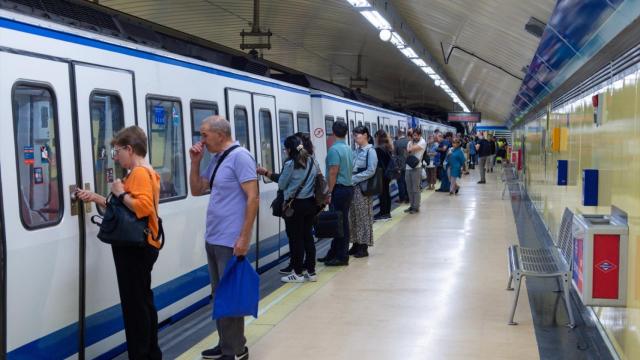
[{"x": 115, "y": 151}]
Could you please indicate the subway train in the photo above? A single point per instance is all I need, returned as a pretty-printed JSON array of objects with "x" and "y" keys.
[{"x": 64, "y": 92}]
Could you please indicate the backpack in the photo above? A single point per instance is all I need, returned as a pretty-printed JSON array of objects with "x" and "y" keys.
[
  {"x": 320, "y": 187},
  {"x": 393, "y": 169}
]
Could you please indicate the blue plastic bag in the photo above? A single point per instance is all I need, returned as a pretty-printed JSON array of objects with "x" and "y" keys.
[{"x": 238, "y": 292}]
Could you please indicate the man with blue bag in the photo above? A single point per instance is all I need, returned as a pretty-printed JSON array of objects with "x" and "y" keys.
[{"x": 233, "y": 206}]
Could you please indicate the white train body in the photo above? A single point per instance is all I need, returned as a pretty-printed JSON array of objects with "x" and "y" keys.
[{"x": 63, "y": 89}]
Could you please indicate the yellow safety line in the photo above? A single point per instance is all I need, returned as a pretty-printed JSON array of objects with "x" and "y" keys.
[{"x": 284, "y": 300}]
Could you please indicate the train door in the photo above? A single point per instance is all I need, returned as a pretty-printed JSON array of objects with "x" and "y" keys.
[
  {"x": 240, "y": 114},
  {"x": 106, "y": 104},
  {"x": 351, "y": 121},
  {"x": 267, "y": 154},
  {"x": 38, "y": 149}
]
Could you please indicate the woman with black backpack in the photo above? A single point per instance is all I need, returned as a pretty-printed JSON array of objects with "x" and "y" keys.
[{"x": 384, "y": 151}]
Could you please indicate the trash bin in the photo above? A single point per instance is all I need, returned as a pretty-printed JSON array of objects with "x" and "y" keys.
[{"x": 600, "y": 260}]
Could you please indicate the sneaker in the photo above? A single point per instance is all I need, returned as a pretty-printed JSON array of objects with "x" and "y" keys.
[
  {"x": 243, "y": 356},
  {"x": 382, "y": 218},
  {"x": 414, "y": 211},
  {"x": 215, "y": 353},
  {"x": 408, "y": 210},
  {"x": 312, "y": 277},
  {"x": 482, "y": 182},
  {"x": 287, "y": 270},
  {"x": 292, "y": 278}
]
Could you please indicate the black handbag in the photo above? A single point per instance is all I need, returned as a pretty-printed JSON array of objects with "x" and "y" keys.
[
  {"x": 412, "y": 161},
  {"x": 328, "y": 224},
  {"x": 119, "y": 226},
  {"x": 373, "y": 185}
]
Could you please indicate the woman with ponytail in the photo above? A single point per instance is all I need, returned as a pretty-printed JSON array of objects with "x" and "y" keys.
[{"x": 297, "y": 182}]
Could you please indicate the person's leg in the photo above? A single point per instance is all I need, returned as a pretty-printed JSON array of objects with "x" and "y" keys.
[
  {"x": 416, "y": 175},
  {"x": 385, "y": 198},
  {"x": 151, "y": 255},
  {"x": 295, "y": 227},
  {"x": 309, "y": 243},
  {"x": 483, "y": 163},
  {"x": 402, "y": 187},
  {"x": 410, "y": 186},
  {"x": 342, "y": 199}
]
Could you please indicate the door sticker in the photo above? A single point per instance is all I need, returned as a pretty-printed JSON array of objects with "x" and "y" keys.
[
  {"x": 44, "y": 154},
  {"x": 38, "y": 178},
  {"x": 109, "y": 175},
  {"x": 28, "y": 155},
  {"x": 158, "y": 112}
]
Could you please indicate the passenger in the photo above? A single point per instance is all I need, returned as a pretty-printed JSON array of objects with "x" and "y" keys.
[
  {"x": 484, "y": 152},
  {"x": 400, "y": 150},
  {"x": 492, "y": 159},
  {"x": 140, "y": 192},
  {"x": 415, "y": 148},
  {"x": 297, "y": 181},
  {"x": 384, "y": 149},
  {"x": 473, "y": 154},
  {"x": 455, "y": 164},
  {"x": 233, "y": 205},
  {"x": 308, "y": 146},
  {"x": 365, "y": 162},
  {"x": 339, "y": 171},
  {"x": 434, "y": 161},
  {"x": 443, "y": 150}
]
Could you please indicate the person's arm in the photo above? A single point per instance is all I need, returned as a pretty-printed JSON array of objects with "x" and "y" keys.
[
  {"x": 285, "y": 176},
  {"x": 372, "y": 163},
  {"x": 197, "y": 183},
  {"x": 139, "y": 197},
  {"x": 241, "y": 246}
]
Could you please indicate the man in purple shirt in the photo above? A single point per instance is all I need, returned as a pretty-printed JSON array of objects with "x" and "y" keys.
[{"x": 233, "y": 205}]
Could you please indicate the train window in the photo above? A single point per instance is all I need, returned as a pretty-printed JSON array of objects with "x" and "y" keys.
[
  {"x": 286, "y": 129},
  {"x": 328, "y": 129},
  {"x": 368, "y": 126},
  {"x": 166, "y": 145},
  {"x": 340, "y": 119},
  {"x": 374, "y": 128},
  {"x": 266, "y": 140},
  {"x": 38, "y": 166},
  {"x": 241, "y": 126},
  {"x": 107, "y": 118},
  {"x": 359, "y": 123},
  {"x": 199, "y": 111},
  {"x": 303, "y": 123}
]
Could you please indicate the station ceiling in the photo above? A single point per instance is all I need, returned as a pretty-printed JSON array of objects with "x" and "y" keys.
[{"x": 324, "y": 38}]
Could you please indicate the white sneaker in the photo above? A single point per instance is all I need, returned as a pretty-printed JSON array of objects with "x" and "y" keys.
[
  {"x": 293, "y": 278},
  {"x": 310, "y": 277}
]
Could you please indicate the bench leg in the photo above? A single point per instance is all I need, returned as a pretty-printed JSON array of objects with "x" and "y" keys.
[
  {"x": 509, "y": 287},
  {"x": 503, "y": 190},
  {"x": 567, "y": 299},
  {"x": 518, "y": 281}
]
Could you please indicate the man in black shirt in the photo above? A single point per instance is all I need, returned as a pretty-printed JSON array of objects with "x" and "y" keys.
[{"x": 483, "y": 148}]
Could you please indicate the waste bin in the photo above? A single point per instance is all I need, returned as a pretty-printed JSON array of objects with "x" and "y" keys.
[{"x": 600, "y": 259}]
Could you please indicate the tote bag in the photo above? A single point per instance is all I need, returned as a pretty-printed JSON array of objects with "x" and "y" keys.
[{"x": 238, "y": 292}]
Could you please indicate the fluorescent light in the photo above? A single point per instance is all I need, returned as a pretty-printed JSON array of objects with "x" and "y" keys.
[
  {"x": 419, "y": 62},
  {"x": 408, "y": 52},
  {"x": 429, "y": 70},
  {"x": 397, "y": 41},
  {"x": 435, "y": 77},
  {"x": 438, "y": 82},
  {"x": 376, "y": 19},
  {"x": 359, "y": 3},
  {"x": 385, "y": 35}
]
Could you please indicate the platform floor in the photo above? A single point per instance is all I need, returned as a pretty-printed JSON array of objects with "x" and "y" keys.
[{"x": 433, "y": 287}]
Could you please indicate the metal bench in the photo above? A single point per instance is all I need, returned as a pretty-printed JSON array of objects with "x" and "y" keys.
[
  {"x": 555, "y": 261},
  {"x": 510, "y": 177}
]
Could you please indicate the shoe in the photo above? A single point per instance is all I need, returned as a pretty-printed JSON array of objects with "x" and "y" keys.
[
  {"x": 287, "y": 270},
  {"x": 363, "y": 252},
  {"x": 215, "y": 353},
  {"x": 336, "y": 262},
  {"x": 324, "y": 259},
  {"x": 482, "y": 182},
  {"x": 354, "y": 249},
  {"x": 243, "y": 356},
  {"x": 385, "y": 217},
  {"x": 408, "y": 210},
  {"x": 414, "y": 211},
  {"x": 312, "y": 277},
  {"x": 457, "y": 189},
  {"x": 293, "y": 278}
]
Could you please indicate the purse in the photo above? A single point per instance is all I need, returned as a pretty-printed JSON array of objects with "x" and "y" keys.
[
  {"x": 412, "y": 161},
  {"x": 328, "y": 224},
  {"x": 320, "y": 188},
  {"x": 119, "y": 226},
  {"x": 373, "y": 185}
]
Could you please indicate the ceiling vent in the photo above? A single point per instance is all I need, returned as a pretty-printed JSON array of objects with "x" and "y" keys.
[{"x": 535, "y": 27}]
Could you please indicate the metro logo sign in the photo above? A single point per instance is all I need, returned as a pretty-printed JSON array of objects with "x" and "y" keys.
[
  {"x": 606, "y": 266},
  {"x": 464, "y": 117}
]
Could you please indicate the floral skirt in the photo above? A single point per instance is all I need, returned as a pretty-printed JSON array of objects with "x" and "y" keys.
[{"x": 361, "y": 218}]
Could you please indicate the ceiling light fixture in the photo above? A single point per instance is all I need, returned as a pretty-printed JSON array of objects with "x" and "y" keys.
[
  {"x": 359, "y": 3},
  {"x": 385, "y": 35},
  {"x": 397, "y": 41},
  {"x": 408, "y": 52},
  {"x": 376, "y": 19},
  {"x": 419, "y": 62}
]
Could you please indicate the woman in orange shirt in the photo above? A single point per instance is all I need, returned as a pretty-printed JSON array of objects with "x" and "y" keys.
[{"x": 140, "y": 192}]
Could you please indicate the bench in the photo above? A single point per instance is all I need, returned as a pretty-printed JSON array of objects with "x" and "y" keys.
[
  {"x": 510, "y": 177},
  {"x": 555, "y": 261}
]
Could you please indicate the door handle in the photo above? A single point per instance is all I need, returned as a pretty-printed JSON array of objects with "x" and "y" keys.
[
  {"x": 75, "y": 202},
  {"x": 87, "y": 205}
]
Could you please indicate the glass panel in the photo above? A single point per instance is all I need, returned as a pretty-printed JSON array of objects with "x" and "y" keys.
[
  {"x": 303, "y": 123},
  {"x": 374, "y": 128},
  {"x": 107, "y": 118},
  {"x": 286, "y": 129},
  {"x": 368, "y": 126},
  {"x": 241, "y": 126},
  {"x": 328, "y": 129},
  {"x": 200, "y": 111},
  {"x": 166, "y": 146},
  {"x": 266, "y": 140},
  {"x": 39, "y": 179}
]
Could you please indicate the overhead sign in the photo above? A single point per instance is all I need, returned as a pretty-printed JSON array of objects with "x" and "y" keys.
[{"x": 463, "y": 116}]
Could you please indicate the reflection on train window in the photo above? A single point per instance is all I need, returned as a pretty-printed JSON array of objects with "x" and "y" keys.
[
  {"x": 199, "y": 111},
  {"x": 266, "y": 140},
  {"x": 374, "y": 128},
  {"x": 38, "y": 165},
  {"x": 368, "y": 126},
  {"x": 241, "y": 126},
  {"x": 107, "y": 118},
  {"x": 328, "y": 129},
  {"x": 286, "y": 129},
  {"x": 303, "y": 123},
  {"x": 166, "y": 145}
]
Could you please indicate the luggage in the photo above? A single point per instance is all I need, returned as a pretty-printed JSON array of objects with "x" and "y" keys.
[{"x": 329, "y": 225}]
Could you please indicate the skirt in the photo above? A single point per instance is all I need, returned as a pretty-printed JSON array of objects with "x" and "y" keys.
[{"x": 361, "y": 218}]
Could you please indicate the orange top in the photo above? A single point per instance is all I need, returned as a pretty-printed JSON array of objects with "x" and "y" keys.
[{"x": 144, "y": 192}]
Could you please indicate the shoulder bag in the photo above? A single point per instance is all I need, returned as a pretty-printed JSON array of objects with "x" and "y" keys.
[
  {"x": 320, "y": 187},
  {"x": 373, "y": 185},
  {"x": 287, "y": 207}
]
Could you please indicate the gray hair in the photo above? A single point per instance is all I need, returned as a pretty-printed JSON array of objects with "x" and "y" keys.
[{"x": 219, "y": 124}]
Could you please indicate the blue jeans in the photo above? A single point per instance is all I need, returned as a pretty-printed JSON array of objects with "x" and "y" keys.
[
  {"x": 341, "y": 201},
  {"x": 402, "y": 187},
  {"x": 444, "y": 180}
]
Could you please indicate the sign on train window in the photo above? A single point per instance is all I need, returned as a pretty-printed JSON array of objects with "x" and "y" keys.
[
  {"x": 166, "y": 145},
  {"x": 266, "y": 141},
  {"x": 107, "y": 118},
  {"x": 38, "y": 165},
  {"x": 328, "y": 130},
  {"x": 199, "y": 111},
  {"x": 241, "y": 126},
  {"x": 286, "y": 129},
  {"x": 303, "y": 123}
]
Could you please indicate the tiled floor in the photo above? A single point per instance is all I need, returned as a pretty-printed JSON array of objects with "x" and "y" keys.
[{"x": 432, "y": 288}]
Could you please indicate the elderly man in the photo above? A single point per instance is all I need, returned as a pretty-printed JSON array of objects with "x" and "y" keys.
[{"x": 233, "y": 205}]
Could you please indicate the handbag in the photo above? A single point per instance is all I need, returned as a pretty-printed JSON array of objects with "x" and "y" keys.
[
  {"x": 238, "y": 293},
  {"x": 328, "y": 224},
  {"x": 320, "y": 188},
  {"x": 119, "y": 226},
  {"x": 412, "y": 161},
  {"x": 373, "y": 185},
  {"x": 287, "y": 207}
]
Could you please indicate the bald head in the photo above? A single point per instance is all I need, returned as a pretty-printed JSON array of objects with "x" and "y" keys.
[{"x": 217, "y": 123}]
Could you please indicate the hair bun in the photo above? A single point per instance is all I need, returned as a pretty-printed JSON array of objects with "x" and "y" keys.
[{"x": 299, "y": 147}]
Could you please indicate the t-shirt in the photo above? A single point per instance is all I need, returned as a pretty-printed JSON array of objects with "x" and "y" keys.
[
  {"x": 485, "y": 148},
  {"x": 340, "y": 154},
  {"x": 418, "y": 154},
  {"x": 144, "y": 186},
  {"x": 228, "y": 202}
]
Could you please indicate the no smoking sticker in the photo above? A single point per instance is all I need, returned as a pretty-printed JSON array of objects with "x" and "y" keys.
[{"x": 318, "y": 132}]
